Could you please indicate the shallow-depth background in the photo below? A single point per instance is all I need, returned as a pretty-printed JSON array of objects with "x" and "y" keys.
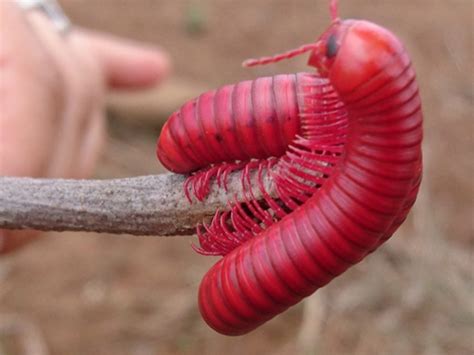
[{"x": 72, "y": 293}]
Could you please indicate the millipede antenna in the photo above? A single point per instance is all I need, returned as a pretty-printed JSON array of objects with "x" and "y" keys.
[
  {"x": 278, "y": 57},
  {"x": 333, "y": 10}
]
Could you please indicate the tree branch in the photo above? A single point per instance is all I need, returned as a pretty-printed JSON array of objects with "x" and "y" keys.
[{"x": 145, "y": 205}]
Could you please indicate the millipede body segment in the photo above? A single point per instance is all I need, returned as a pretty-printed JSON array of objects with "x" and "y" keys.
[{"x": 342, "y": 149}]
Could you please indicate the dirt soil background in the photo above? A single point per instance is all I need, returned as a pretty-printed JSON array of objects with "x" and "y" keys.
[{"x": 73, "y": 293}]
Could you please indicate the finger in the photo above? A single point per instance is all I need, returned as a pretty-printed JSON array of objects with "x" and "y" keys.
[
  {"x": 31, "y": 96},
  {"x": 127, "y": 64},
  {"x": 91, "y": 145},
  {"x": 82, "y": 92}
]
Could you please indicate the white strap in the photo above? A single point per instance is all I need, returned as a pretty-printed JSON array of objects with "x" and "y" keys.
[{"x": 51, "y": 9}]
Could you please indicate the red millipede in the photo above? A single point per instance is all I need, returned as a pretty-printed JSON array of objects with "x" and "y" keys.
[{"x": 342, "y": 149}]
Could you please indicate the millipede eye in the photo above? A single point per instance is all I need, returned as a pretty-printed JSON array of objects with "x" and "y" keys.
[{"x": 331, "y": 46}]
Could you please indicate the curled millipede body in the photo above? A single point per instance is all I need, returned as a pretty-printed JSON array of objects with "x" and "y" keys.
[{"x": 342, "y": 148}]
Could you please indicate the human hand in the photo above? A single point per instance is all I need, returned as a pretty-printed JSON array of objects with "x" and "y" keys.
[{"x": 52, "y": 95}]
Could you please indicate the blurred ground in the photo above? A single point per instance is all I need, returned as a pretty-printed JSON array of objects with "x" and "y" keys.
[{"x": 97, "y": 294}]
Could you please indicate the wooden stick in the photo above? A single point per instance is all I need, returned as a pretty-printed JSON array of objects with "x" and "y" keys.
[{"x": 145, "y": 205}]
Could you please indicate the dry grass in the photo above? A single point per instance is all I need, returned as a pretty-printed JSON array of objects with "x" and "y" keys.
[{"x": 89, "y": 294}]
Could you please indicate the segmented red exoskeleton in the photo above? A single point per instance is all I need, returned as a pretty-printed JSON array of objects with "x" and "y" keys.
[{"x": 342, "y": 148}]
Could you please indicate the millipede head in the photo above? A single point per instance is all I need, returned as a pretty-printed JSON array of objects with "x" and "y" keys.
[{"x": 351, "y": 52}]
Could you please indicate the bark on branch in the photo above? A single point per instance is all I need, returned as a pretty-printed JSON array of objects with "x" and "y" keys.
[{"x": 146, "y": 205}]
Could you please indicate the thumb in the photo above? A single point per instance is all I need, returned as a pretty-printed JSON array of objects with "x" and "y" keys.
[{"x": 126, "y": 64}]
